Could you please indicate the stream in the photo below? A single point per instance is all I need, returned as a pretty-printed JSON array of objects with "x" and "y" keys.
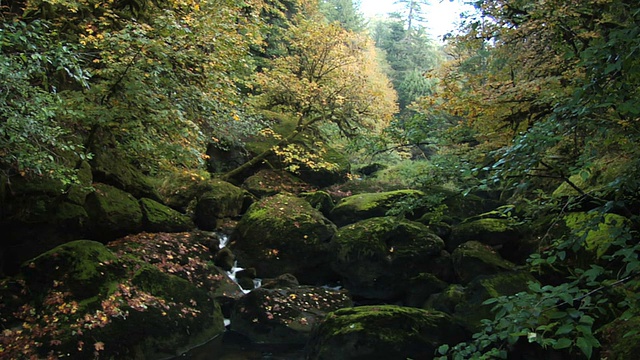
[{"x": 233, "y": 346}]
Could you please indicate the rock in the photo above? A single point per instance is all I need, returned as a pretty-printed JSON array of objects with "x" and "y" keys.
[
  {"x": 473, "y": 259},
  {"x": 471, "y": 311},
  {"x": 376, "y": 258},
  {"x": 620, "y": 339},
  {"x": 245, "y": 278},
  {"x": 113, "y": 213},
  {"x": 490, "y": 231},
  {"x": 110, "y": 167},
  {"x": 269, "y": 182},
  {"x": 371, "y": 169},
  {"x": 421, "y": 287},
  {"x": 320, "y": 200},
  {"x": 325, "y": 175},
  {"x": 224, "y": 259},
  {"x": 81, "y": 300},
  {"x": 598, "y": 231},
  {"x": 284, "y": 234},
  {"x": 284, "y": 316},
  {"x": 383, "y": 332},
  {"x": 447, "y": 300},
  {"x": 186, "y": 255},
  {"x": 363, "y": 206},
  {"x": 222, "y": 200},
  {"x": 160, "y": 218},
  {"x": 80, "y": 264},
  {"x": 281, "y": 282}
]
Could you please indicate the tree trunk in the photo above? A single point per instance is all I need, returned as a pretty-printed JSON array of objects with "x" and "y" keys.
[{"x": 258, "y": 158}]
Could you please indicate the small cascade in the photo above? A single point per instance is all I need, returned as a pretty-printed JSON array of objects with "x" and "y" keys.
[{"x": 224, "y": 241}]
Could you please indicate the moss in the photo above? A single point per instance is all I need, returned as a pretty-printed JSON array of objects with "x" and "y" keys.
[
  {"x": 160, "y": 218},
  {"x": 473, "y": 259},
  {"x": 280, "y": 234},
  {"x": 80, "y": 264},
  {"x": 270, "y": 182},
  {"x": 114, "y": 212},
  {"x": 471, "y": 311},
  {"x": 320, "y": 200},
  {"x": 447, "y": 300},
  {"x": 594, "y": 178},
  {"x": 385, "y": 331},
  {"x": 377, "y": 257},
  {"x": 598, "y": 232},
  {"x": 617, "y": 345},
  {"x": 489, "y": 231},
  {"x": 363, "y": 206},
  {"x": 221, "y": 200},
  {"x": 112, "y": 168},
  {"x": 78, "y": 192}
]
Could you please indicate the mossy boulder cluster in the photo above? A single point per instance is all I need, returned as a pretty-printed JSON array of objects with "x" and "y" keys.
[
  {"x": 85, "y": 300},
  {"x": 155, "y": 278}
]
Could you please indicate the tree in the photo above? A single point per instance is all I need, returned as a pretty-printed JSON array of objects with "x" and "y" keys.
[
  {"x": 413, "y": 12},
  {"x": 345, "y": 12},
  {"x": 551, "y": 87},
  {"x": 160, "y": 80},
  {"x": 329, "y": 75}
]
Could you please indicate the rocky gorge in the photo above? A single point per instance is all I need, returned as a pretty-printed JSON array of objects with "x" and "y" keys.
[{"x": 122, "y": 266}]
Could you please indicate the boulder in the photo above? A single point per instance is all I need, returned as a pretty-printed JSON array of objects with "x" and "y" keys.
[
  {"x": 363, "y": 206},
  {"x": 383, "y": 332},
  {"x": 284, "y": 234},
  {"x": 81, "y": 300},
  {"x": 320, "y": 200},
  {"x": 620, "y": 339},
  {"x": 269, "y": 182},
  {"x": 160, "y": 218},
  {"x": 186, "y": 255},
  {"x": 222, "y": 200},
  {"x": 110, "y": 167},
  {"x": 377, "y": 258},
  {"x": 113, "y": 213},
  {"x": 598, "y": 231},
  {"x": 473, "y": 259},
  {"x": 490, "y": 231},
  {"x": 471, "y": 311},
  {"x": 447, "y": 300},
  {"x": 284, "y": 316}
]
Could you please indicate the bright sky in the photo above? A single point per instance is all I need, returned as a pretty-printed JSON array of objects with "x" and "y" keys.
[{"x": 442, "y": 15}]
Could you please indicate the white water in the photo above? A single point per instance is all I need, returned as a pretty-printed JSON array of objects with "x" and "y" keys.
[{"x": 224, "y": 241}]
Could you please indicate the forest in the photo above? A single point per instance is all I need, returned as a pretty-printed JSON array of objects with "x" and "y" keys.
[{"x": 319, "y": 184}]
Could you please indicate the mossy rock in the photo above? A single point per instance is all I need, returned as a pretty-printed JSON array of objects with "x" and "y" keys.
[
  {"x": 421, "y": 287},
  {"x": 160, "y": 218},
  {"x": 80, "y": 264},
  {"x": 284, "y": 234},
  {"x": 363, "y": 206},
  {"x": 473, "y": 259},
  {"x": 490, "y": 231},
  {"x": 113, "y": 213},
  {"x": 221, "y": 200},
  {"x": 620, "y": 339},
  {"x": 383, "y": 332},
  {"x": 77, "y": 193},
  {"x": 598, "y": 231},
  {"x": 323, "y": 176},
  {"x": 471, "y": 311},
  {"x": 285, "y": 316},
  {"x": 269, "y": 182},
  {"x": 90, "y": 298},
  {"x": 377, "y": 257},
  {"x": 320, "y": 200},
  {"x": 111, "y": 167},
  {"x": 447, "y": 300},
  {"x": 595, "y": 178}
]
